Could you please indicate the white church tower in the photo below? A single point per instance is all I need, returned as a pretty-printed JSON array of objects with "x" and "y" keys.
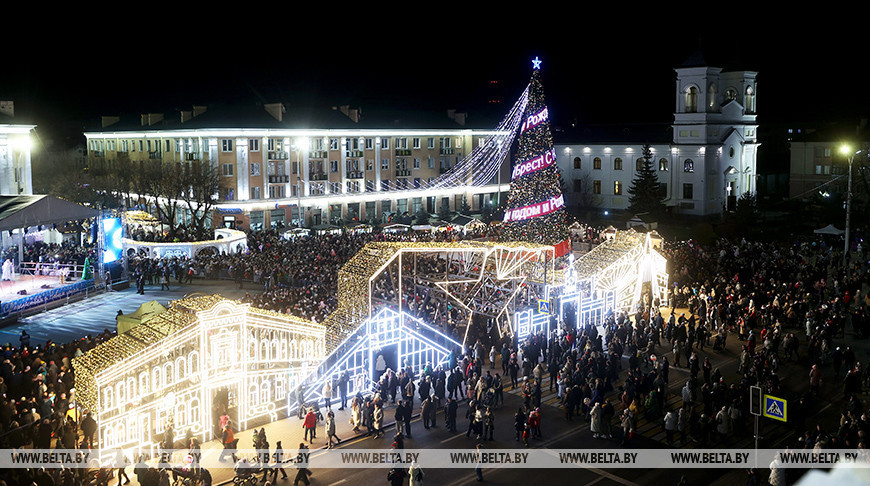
[{"x": 715, "y": 137}]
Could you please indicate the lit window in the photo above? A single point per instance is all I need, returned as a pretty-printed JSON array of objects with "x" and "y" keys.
[
  {"x": 617, "y": 164},
  {"x": 596, "y": 163},
  {"x": 689, "y": 165},
  {"x": 617, "y": 188}
]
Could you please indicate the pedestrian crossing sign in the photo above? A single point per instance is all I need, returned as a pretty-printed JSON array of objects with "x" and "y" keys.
[
  {"x": 775, "y": 408},
  {"x": 543, "y": 306}
]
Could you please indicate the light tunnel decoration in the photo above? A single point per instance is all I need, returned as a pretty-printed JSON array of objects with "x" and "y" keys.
[
  {"x": 396, "y": 339},
  {"x": 204, "y": 352}
]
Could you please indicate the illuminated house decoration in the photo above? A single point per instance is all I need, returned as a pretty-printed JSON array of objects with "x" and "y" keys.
[
  {"x": 608, "y": 279},
  {"x": 202, "y": 352},
  {"x": 395, "y": 339}
]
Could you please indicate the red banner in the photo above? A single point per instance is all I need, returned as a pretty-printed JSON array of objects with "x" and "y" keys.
[{"x": 563, "y": 248}]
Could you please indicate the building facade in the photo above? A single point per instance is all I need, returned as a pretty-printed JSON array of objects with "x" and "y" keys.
[
  {"x": 340, "y": 167},
  {"x": 817, "y": 164},
  {"x": 204, "y": 357},
  {"x": 15, "y": 162},
  {"x": 705, "y": 159}
]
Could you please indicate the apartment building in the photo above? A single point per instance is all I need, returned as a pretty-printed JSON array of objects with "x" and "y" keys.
[{"x": 338, "y": 164}]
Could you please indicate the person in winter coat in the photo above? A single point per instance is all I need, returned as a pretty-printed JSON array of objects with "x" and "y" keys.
[
  {"x": 378, "y": 421},
  {"x": 595, "y": 425},
  {"x": 670, "y": 422},
  {"x": 519, "y": 423},
  {"x": 310, "y": 424},
  {"x": 416, "y": 474},
  {"x": 330, "y": 430},
  {"x": 723, "y": 423},
  {"x": 427, "y": 412}
]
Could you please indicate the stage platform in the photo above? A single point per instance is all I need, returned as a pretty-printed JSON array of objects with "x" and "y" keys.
[{"x": 26, "y": 293}]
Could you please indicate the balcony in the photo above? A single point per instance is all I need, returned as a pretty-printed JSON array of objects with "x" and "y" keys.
[
  {"x": 354, "y": 154},
  {"x": 403, "y": 173},
  {"x": 318, "y": 154},
  {"x": 191, "y": 157},
  {"x": 155, "y": 155},
  {"x": 444, "y": 170},
  {"x": 355, "y": 174},
  {"x": 279, "y": 179},
  {"x": 277, "y": 155},
  {"x": 447, "y": 151},
  {"x": 319, "y": 176},
  {"x": 403, "y": 152}
]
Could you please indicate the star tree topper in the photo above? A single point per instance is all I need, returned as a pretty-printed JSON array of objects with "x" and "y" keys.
[{"x": 536, "y": 63}]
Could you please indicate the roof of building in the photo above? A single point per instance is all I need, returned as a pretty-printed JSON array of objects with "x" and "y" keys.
[
  {"x": 256, "y": 116},
  {"x": 652, "y": 133}
]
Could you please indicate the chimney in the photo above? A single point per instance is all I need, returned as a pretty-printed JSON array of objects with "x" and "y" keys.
[
  {"x": 7, "y": 108},
  {"x": 186, "y": 115},
  {"x": 352, "y": 113},
  {"x": 457, "y": 117},
  {"x": 149, "y": 119},
  {"x": 276, "y": 110},
  {"x": 106, "y": 121}
]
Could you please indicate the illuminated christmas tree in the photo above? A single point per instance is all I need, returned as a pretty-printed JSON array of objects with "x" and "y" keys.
[{"x": 535, "y": 207}]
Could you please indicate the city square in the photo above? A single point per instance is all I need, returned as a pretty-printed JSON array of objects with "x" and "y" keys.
[{"x": 342, "y": 296}]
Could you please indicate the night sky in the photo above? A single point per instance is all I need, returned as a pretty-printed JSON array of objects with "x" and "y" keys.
[{"x": 601, "y": 76}]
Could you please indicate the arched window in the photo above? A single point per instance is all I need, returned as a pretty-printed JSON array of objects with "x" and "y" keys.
[
  {"x": 264, "y": 350},
  {"x": 253, "y": 395},
  {"x": 193, "y": 414},
  {"x": 143, "y": 383},
  {"x": 193, "y": 363},
  {"x": 180, "y": 368},
  {"x": 638, "y": 164},
  {"x": 617, "y": 163},
  {"x": 691, "y": 99},
  {"x": 131, "y": 389},
  {"x": 749, "y": 98},
  {"x": 265, "y": 392},
  {"x": 689, "y": 165},
  {"x": 711, "y": 97},
  {"x": 180, "y": 414},
  {"x": 663, "y": 164},
  {"x": 730, "y": 94},
  {"x": 108, "y": 398},
  {"x": 577, "y": 162},
  {"x": 168, "y": 374},
  {"x": 294, "y": 349},
  {"x": 252, "y": 349},
  {"x": 596, "y": 163},
  {"x": 274, "y": 352},
  {"x": 157, "y": 379}
]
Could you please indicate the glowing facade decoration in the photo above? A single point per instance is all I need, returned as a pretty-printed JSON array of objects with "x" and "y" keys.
[
  {"x": 227, "y": 241},
  {"x": 201, "y": 355}
]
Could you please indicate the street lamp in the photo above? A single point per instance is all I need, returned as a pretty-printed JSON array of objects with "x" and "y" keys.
[{"x": 846, "y": 150}]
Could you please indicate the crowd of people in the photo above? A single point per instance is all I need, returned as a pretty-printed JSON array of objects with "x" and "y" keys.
[{"x": 797, "y": 304}]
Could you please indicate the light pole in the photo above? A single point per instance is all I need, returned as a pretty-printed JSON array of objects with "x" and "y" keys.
[{"x": 847, "y": 150}]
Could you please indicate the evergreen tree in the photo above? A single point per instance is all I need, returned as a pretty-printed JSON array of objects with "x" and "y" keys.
[
  {"x": 464, "y": 208},
  {"x": 444, "y": 210},
  {"x": 646, "y": 191},
  {"x": 535, "y": 207}
]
